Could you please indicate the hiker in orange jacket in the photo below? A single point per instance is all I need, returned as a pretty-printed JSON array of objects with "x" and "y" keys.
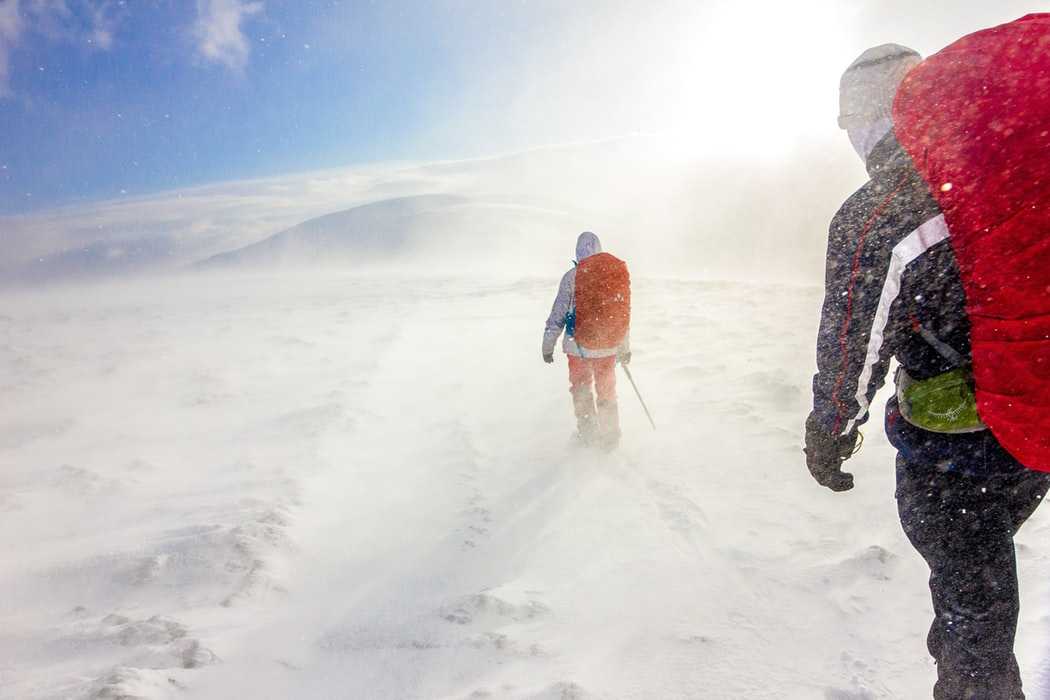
[{"x": 606, "y": 286}]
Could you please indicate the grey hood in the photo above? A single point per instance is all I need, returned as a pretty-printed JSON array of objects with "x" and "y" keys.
[{"x": 587, "y": 245}]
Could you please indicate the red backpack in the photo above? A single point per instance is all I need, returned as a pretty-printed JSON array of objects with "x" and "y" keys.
[
  {"x": 975, "y": 119},
  {"x": 603, "y": 301}
]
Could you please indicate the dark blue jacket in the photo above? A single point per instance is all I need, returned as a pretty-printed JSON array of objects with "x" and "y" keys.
[{"x": 892, "y": 289}]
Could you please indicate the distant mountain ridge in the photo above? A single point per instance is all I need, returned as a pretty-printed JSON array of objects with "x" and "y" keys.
[
  {"x": 97, "y": 259},
  {"x": 664, "y": 210},
  {"x": 431, "y": 228}
]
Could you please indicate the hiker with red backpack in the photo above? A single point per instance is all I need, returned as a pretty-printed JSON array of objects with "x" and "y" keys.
[
  {"x": 942, "y": 261},
  {"x": 593, "y": 307}
]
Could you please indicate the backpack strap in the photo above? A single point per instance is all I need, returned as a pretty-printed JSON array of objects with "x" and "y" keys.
[{"x": 943, "y": 349}]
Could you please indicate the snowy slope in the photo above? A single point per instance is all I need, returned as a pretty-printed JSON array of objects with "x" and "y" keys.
[
  {"x": 433, "y": 231},
  {"x": 335, "y": 486}
]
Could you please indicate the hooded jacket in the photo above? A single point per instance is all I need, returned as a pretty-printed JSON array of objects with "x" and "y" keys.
[
  {"x": 892, "y": 289},
  {"x": 565, "y": 303}
]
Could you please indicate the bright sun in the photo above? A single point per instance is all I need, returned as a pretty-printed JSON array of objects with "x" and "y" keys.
[{"x": 756, "y": 79}]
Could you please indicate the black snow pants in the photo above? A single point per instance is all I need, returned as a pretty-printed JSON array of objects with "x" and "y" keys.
[{"x": 961, "y": 500}]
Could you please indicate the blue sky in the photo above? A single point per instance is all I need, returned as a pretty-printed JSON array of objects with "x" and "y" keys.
[{"x": 103, "y": 99}]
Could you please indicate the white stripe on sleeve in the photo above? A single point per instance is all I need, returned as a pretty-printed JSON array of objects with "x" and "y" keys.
[{"x": 915, "y": 244}]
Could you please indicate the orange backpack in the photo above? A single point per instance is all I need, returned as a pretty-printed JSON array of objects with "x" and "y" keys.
[{"x": 603, "y": 302}]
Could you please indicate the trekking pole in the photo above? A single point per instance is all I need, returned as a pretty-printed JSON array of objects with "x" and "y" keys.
[{"x": 639, "y": 395}]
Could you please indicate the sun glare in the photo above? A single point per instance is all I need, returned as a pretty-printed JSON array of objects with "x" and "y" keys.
[{"x": 759, "y": 91}]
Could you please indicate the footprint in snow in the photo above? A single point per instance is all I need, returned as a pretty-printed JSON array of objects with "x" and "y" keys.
[
  {"x": 148, "y": 650},
  {"x": 497, "y": 641},
  {"x": 129, "y": 683},
  {"x": 873, "y": 562},
  {"x": 565, "y": 690},
  {"x": 861, "y": 681},
  {"x": 478, "y": 519},
  {"x": 486, "y": 607}
]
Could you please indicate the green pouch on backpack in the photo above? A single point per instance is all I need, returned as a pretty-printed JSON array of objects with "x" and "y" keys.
[{"x": 942, "y": 404}]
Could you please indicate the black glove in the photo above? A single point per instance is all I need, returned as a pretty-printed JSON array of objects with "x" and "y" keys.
[
  {"x": 624, "y": 358},
  {"x": 548, "y": 357},
  {"x": 825, "y": 454}
]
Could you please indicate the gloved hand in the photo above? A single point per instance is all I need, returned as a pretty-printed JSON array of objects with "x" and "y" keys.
[
  {"x": 825, "y": 454},
  {"x": 548, "y": 357},
  {"x": 624, "y": 358}
]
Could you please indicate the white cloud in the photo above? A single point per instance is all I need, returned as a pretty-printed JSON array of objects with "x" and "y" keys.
[
  {"x": 75, "y": 21},
  {"x": 103, "y": 25},
  {"x": 220, "y": 36},
  {"x": 205, "y": 220},
  {"x": 10, "y": 31},
  {"x": 54, "y": 21}
]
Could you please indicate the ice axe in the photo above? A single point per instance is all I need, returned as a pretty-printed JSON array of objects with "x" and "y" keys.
[{"x": 639, "y": 395}]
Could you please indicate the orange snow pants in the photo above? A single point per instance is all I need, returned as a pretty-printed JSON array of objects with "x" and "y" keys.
[{"x": 595, "y": 420}]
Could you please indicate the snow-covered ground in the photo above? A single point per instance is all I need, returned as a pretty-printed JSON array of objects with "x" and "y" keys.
[{"x": 340, "y": 486}]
